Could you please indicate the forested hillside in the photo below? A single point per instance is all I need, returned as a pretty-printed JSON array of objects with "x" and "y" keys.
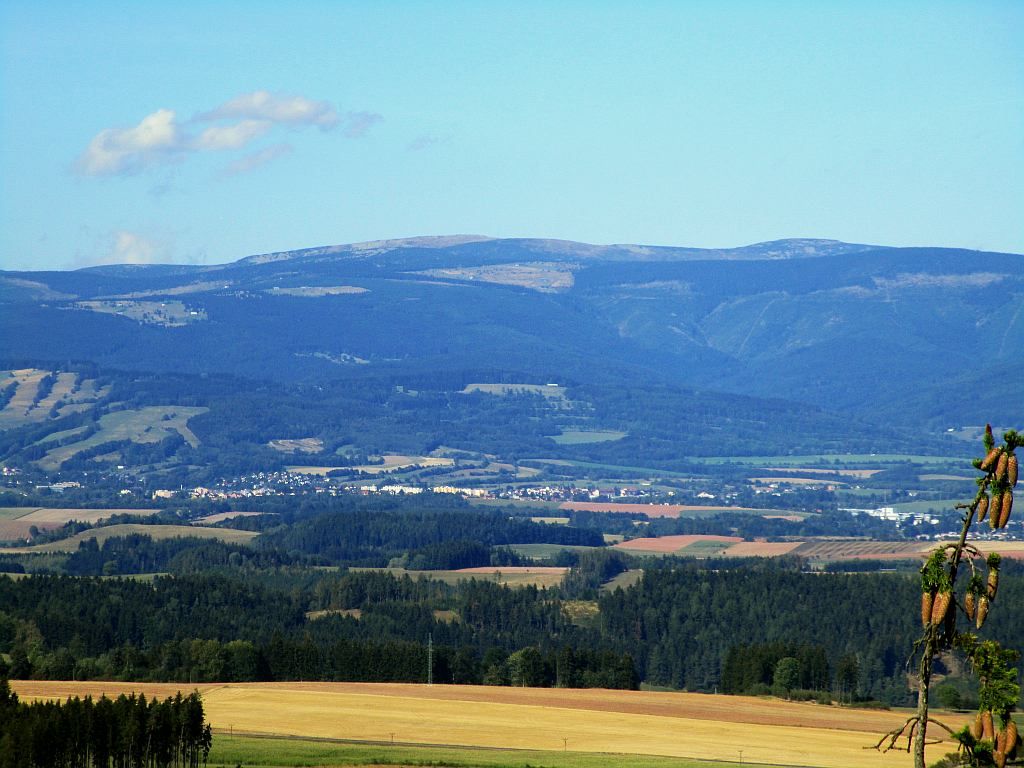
[
  {"x": 713, "y": 626},
  {"x": 189, "y": 429}
]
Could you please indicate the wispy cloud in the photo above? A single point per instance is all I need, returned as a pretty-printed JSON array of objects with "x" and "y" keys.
[
  {"x": 358, "y": 123},
  {"x": 233, "y": 136},
  {"x": 160, "y": 137},
  {"x": 276, "y": 108},
  {"x": 254, "y": 160},
  {"x": 423, "y": 142}
]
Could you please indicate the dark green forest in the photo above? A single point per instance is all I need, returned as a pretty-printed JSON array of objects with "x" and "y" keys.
[
  {"x": 716, "y": 625},
  {"x": 128, "y": 732}
]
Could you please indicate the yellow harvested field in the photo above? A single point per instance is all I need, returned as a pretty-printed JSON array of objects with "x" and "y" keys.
[
  {"x": 51, "y": 516},
  {"x": 220, "y": 517},
  {"x": 700, "y": 726},
  {"x": 304, "y": 470},
  {"x": 16, "y": 522},
  {"x": 761, "y": 548},
  {"x": 1011, "y": 549},
  {"x": 837, "y": 471},
  {"x": 70, "y": 544},
  {"x": 396, "y": 461},
  {"x": 819, "y": 481},
  {"x": 548, "y": 570}
]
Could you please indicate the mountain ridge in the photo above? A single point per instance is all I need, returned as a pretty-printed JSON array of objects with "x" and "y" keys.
[
  {"x": 852, "y": 328},
  {"x": 784, "y": 248}
]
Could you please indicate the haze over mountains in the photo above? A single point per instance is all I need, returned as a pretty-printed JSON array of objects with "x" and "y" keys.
[{"x": 922, "y": 333}]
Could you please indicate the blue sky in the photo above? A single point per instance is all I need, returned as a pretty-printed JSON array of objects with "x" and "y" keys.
[{"x": 202, "y": 132}]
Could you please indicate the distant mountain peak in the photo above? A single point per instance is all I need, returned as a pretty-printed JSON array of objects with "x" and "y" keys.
[{"x": 368, "y": 248}]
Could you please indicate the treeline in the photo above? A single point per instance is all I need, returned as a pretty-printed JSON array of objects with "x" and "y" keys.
[
  {"x": 779, "y": 667},
  {"x": 139, "y": 553},
  {"x": 128, "y": 732},
  {"x": 369, "y": 537},
  {"x": 361, "y": 627},
  {"x": 452, "y": 555},
  {"x": 683, "y": 619},
  {"x": 829, "y": 522}
]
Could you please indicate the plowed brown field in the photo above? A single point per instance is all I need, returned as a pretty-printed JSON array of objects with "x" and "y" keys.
[
  {"x": 673, "y": 543},
  {"x": 852, "y": 549}
]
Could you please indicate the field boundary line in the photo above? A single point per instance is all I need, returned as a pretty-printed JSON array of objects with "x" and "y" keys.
[{"x": 468, "y": 747}]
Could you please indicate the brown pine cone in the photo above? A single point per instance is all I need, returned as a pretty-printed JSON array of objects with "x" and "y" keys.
[
  {"x": 1006, "y": 507},
  {"x": 982, "y": 612},
  {"x": 991, "y": 458}
]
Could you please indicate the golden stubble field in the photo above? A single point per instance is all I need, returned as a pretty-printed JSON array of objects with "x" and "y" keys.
[{"x": 636, "y": 722}]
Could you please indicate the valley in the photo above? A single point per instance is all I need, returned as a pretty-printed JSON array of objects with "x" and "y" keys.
[{"x": 504, "y": 502}]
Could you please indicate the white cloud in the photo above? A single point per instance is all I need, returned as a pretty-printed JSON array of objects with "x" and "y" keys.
[
  {"x": 232, "y": 136},
  {"x": 119, "y": 247},
  {"x": 132, "y": 248},
  {"x": 128, "y": 150},
  {"x": 160, "y": 138},
  {"x": 256, "y": 159},
  {"x": 276, "y": 108}
]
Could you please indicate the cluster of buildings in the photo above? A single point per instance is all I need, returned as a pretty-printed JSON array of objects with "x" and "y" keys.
[
  {"x": 895, "y": 516},
  {"x": 296, "y": 483}
]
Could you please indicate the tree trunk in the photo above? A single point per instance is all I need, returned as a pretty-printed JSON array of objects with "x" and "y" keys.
[
  {"x": 924, "y": 676},
  {"x": 923, "y": 679}
]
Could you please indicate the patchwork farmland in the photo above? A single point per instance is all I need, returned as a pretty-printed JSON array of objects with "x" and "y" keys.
[{"x": 821, "y": 550}]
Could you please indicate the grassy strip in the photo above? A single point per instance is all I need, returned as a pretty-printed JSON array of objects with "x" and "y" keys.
[
  {"x": 229, "y": 750},
  {"x": 829, "y": 460}
]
